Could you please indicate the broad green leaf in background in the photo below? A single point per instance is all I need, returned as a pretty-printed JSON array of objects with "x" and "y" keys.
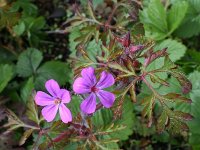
[
  {"x": 176, "y": 14},
  {"x": 159, "y": 22},
  {"x": 154, "y": 19},
  {"x": 56, "y": 70},
  {"x": 6, "y": 75},
  {"x": 28, "y": 62},
  {"x": 191, "y": 23}
]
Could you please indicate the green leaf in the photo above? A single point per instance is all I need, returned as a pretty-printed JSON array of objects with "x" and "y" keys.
[
  {"x": 156, "y": 79},
  {"x": 174, "y": 97},
  {"x": 19, "y": 29},
  {"x": 191, "y": 23},
  {"x": 154, "y": 19},
  {"x": 195, "y": 79},
  {"x": 162, "y": 122},
  {"x": 148, "y": 103},
  {"x": 175, "y": 49},
  {"x": 28, "y": 62},
  {"x": 72, "y": 36},
  {"x": 6, "y": 75},
  {"x": 128, "y": 122},
  {"x": 122, "y": 128},
  {"x": 28, "y": 8},
  {"x": 37, "y": 24},
  {"x": 32, "y": 111},
  {"x": 74, "y": 105},
  {"x": 56, "y": 70},
  {"x": 176, "y": 15},
  {"x": 26, "y": 90},
  {"x": 188, "y": 29},
  {"x": 93, "y": 49},
  {"x": 182, "y": 79}
]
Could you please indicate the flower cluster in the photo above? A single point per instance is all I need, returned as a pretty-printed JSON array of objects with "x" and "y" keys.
[{"x": 87, "y": 85}]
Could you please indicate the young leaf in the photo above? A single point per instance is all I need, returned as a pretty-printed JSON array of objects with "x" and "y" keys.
[
  {"x": 184, "y": 82},
  {"x": 174, "y": 97},
  {"x": 162, "y": 122},
  {"x": 148, "y": 103}
]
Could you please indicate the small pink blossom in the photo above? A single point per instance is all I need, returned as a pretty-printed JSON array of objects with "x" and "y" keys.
[
  {"x": 54, "y": 102},
  {"x": 87, "y": 84}
]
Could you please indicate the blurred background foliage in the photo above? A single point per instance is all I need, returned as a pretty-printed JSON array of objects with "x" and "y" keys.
[{"x": 36, "y": 43}]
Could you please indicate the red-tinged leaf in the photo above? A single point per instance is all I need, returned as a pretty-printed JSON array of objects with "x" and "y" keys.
[
  {"x": 128, "y": 63},
  {"x": 183, "y": 116},
  {"x": 186, "y": 87},
  {"x": 135, "y": 48},
  {"x": 156, "y": 79},
  {"x": 117, "y": 66},
  {"x": 148, "y": 103},
  {"x": 125, "y": 40},
  {"x": 151, "y": 56},
  {"x": 176, "y": 126},
  {"x": 184, "y": 82},
  {"x": 174, "y": 97},
  {"x": 25, "y": 136},
  {"x": 162, "y": 122},
  {"x": 168, "y": 64}
]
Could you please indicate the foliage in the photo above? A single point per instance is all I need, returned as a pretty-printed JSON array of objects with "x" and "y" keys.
[{"x": 151, "y": 48}]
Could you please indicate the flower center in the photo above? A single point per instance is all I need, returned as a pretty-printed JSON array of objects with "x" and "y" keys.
[
  {"x": 94, "y": 89},
  {"x": 57, "y": 101}
]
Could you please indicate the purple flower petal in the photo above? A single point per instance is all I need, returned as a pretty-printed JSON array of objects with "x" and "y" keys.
[
  {"x": 81, "y": 86},
  {"x": 64, "y": 96},
  {"x": 106, "y": 98},
  {"x": 89, "y": 76},
  {"x": 106, "y": 80},
  {"x": 49, "y": 112},
  {"x": 52, "y": 87},
  {"x": 65, "y": 113},
  {"x": 88, "y": 106},
  {"x": 43, "y": 99}
]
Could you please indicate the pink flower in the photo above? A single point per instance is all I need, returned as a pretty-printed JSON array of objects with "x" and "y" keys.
[
  {"x": 56, "y": 100},
  {"x": 87, "y": 84}
]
